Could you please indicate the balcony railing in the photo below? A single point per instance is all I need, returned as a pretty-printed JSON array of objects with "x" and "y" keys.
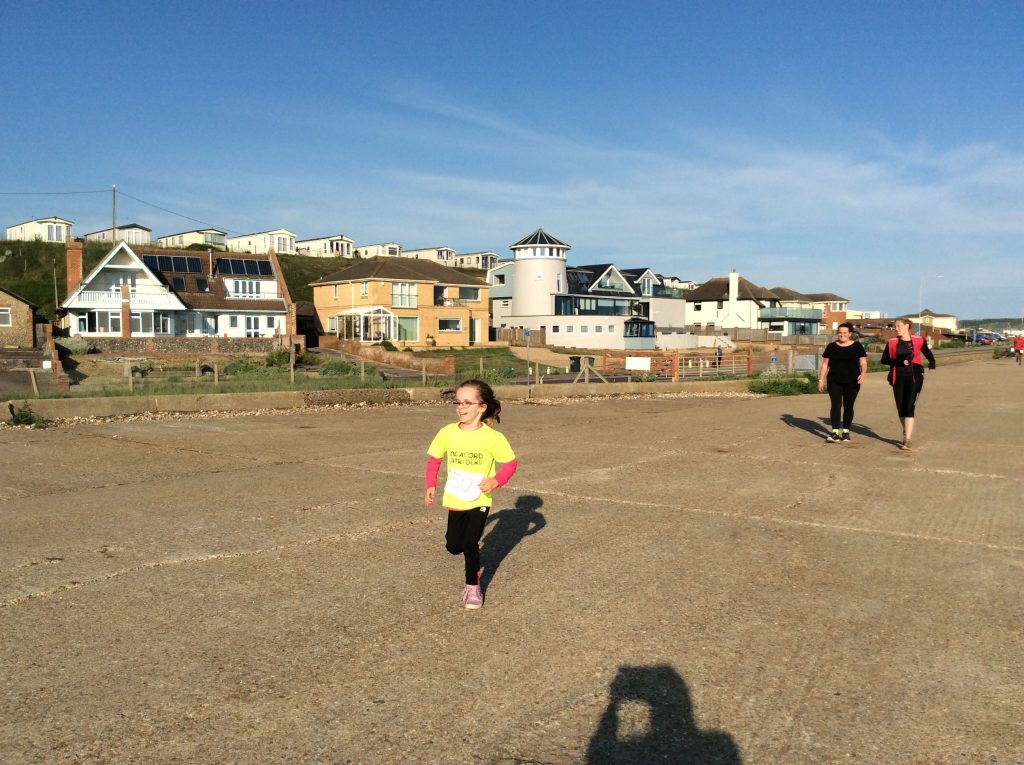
[
  {"x": 106, "y": 297},
  {"x": 777, "y": 314}
]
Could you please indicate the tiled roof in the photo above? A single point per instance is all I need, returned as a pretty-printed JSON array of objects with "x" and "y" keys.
[
  {"x": 718, "y": 289},
  {"x": 785, "y": 293},
  {"x": 826, "y": 297},
  {"x": 540, "y": 237},
  {"x": 400, "y": 269}
]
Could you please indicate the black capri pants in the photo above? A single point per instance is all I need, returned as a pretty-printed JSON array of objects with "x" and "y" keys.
[{"x": 905, "y": 390}]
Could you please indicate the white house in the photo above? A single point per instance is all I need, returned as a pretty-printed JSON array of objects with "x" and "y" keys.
[
  {"x": 443, "y": 255},
  {"x": 41, "y": 229},
  {"x": 132, "y": 233},
  {"x": 727, "y": 303},
  {"x": 176, "y": 293},
  {"x": 384, "y": 250},
  {"x": 337, "y": 246},
  {"x": 482, "y": 260},
  {"x": 280, "y": 241},
  {"x": 580, "y": 307},
  {"x": 207, "y": 237}
]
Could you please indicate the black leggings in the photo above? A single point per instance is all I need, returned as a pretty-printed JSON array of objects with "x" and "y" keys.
[
  {"x": 905, "y": 390},
  {"x": 843, "y": 395},
  {"x": 465, "y": 527}
]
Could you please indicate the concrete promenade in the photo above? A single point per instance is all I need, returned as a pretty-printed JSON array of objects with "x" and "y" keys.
[{"x": 674, "y": 579}]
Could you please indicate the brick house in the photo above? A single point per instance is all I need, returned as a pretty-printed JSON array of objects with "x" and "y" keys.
[{"x": 17, "y": 321}]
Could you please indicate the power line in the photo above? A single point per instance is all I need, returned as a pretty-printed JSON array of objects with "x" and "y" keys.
[
  {"x": 49, "y": 193},
  {"x": 172, "y": 212}
]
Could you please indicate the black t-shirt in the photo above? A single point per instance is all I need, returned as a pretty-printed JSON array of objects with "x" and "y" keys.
[{"x": 844, "y": 363}]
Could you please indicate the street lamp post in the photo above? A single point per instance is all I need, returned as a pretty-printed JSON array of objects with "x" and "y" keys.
[{"x": 920, "y": 298}]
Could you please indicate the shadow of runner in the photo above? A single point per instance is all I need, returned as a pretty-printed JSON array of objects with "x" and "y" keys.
[
  {"x": 507, "y": 528},
  {"x": 811, "y": 426},
  {"x": 658, "y": 697}
]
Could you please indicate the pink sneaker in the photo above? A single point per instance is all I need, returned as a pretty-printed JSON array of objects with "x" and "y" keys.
[{"x": 473, "y": 597}]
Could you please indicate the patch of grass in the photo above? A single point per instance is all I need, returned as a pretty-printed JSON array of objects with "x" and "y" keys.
[
  {"x": 23, "y": 415},
  {"x": 773, "y": 383}
]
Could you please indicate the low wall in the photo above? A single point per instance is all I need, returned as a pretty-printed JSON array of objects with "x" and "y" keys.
[
  {"x": 142, "y": 346},
  {"x": 444, "y": 366}
]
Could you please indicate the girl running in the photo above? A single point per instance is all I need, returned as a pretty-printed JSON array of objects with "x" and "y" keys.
[{"x": 479, "y": 461}]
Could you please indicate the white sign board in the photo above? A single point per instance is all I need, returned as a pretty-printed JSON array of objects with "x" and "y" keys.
[{"x": 638, "y": 363}]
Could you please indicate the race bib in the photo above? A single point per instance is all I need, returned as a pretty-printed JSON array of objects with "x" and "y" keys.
[{"x": 463, "y": 485}]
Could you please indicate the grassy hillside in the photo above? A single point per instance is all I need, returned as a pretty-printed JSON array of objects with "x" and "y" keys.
[{"x": 28, "y": 269}]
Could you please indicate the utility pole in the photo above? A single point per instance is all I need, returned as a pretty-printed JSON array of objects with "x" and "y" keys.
[
  {"x": 113, "y": 214},
  {"x": 56, "y": 300}
]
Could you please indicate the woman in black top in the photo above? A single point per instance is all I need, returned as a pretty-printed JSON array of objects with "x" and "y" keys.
[{"x": 842, "y": 370}]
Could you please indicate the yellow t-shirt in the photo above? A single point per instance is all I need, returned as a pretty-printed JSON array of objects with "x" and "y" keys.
[{"x": 472, "y": 455}]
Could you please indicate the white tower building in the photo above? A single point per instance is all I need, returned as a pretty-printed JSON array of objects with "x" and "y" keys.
[{"x": 539, "y": 274}]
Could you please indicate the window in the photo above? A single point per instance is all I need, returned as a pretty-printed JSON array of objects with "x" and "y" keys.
[
  {"x": 403, "y": 295},
  {"x": 270, "y": 322},
  {"x": 499, "y": 278},
  {"x": 202, "y": 285},
  {"x": 584, "y": 329},
  {"x": 5, "y": 317},
  {"x": 364, "y": 289},
  {"x": 335, "y": 292},
  {"x": 162, "y": 323},
  {"x": 568, "y": 328},
  {"x": 408, "y": 329},
  {"x": 598, "y": 329},
  {"x": 178, "y": 283},
  {"x": 469, "y": 293},
  {"x": 611, "y": 329},
  {"x": 114, "y": 320},
  {"x": 449, "y": 325},
  {"x": 246, "y": 288},
  {"x": 504, "y": 303},
  {"x": 721, "y": 304},
  {"x": 233, "y": 322},
  {"x": 558, "y": 283},
  {"x": 554, "y": 329},
  {"x": 332, "y": 324},
  {"x": 696, "y": 306}
]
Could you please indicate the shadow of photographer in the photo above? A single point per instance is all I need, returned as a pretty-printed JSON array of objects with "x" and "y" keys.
[{"x": 649, "y": 719}]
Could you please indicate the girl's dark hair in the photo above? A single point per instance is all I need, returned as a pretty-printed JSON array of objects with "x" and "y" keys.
[
  {"x": 493, "y": 410},
  {"x": 846, "y": 324}
]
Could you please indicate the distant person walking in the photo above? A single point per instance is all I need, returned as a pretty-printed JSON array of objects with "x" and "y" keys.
[
  {"x": 479, "y": 461},
  {"x": 906, "y": 373},
  {"x": 844, "y": 366},
  {"x": 1018, "y": 347}
]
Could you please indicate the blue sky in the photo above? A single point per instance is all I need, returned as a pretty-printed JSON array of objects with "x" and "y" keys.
[{"x": 869, "y": 149}]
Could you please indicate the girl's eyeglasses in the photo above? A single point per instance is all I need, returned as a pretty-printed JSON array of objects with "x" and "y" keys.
[{"x": 468, "y": 403}]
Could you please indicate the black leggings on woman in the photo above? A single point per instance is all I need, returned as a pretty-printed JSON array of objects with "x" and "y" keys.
[
  {"x": 843, "y": 395},
  {"x": 905, "y": 390}
]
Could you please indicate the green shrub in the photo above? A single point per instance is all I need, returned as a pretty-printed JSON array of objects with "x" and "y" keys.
[
  {"x": 773, "y": 382},
  {"x": 645, "y": 377},
  {"x": 308, "y": 359},
  {"x": 24, "y": 415},
  {"x": 243, "y": 366},
  {"x": 387, "y": 345},
  {"x": 337, "y": 368},
  {"x": 278, "y": 358}
]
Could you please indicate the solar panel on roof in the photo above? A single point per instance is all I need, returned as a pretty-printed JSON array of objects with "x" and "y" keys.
[
  {"x": 165, "y": 262},
  {"x": 195, "y": 265},
  {"x": 224, "y": 266},
  {"x": 180, "y": 265},
  {"x": 251, "y": 268},
  {"x": 265, "y": 269},
  {"x": 151, "y": 262}
]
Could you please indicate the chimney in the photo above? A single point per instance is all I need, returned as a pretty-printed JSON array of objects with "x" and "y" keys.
[
  {"x": 74, "y": 264},
  {"x": 126, "y": 310}
]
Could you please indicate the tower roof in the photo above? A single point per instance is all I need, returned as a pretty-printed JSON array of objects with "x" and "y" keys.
[{"x": 540, "y": 237}]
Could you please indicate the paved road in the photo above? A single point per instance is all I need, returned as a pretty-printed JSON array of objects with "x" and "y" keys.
[{"x": 669, "y": 580}]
